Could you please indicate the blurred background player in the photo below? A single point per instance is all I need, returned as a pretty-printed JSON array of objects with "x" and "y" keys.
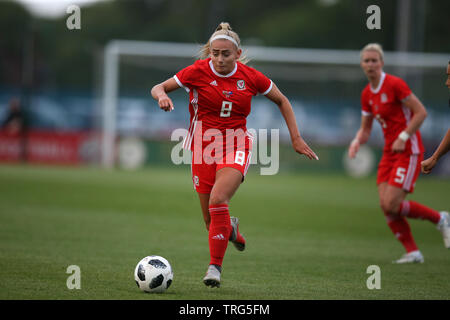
[
  {"x": 400, "y": 113},
  {"x": 14, "y": 122},
  {"x": 220, "y": 88},
  {"x": 15, "y": 125},
  {"x": 444, "y": 146}
]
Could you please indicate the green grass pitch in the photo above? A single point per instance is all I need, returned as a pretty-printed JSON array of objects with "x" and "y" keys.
[{"x": 308, "y": 236}]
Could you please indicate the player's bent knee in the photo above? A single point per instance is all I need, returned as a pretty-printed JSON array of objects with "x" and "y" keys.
[
  {"x": 390, "y": 206},
  {"x": 218, "y": 199}
]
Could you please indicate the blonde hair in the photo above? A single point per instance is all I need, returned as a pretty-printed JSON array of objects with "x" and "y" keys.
[
  {"x": 224, "y": 28},
  {"x": 373, "y": 47}
]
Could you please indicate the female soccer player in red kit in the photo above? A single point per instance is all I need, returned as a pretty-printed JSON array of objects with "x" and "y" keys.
[
  {"x": 400, "y": 113},
  {"x": 220, "y": 88}
]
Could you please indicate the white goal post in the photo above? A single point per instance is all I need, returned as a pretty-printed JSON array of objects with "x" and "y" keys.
[{"x": 117, "y": 48}]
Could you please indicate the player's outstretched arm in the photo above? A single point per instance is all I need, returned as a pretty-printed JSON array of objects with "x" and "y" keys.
[
  {"x": 362, "y": 136},
  {"x": 160, "y": 91},
  {"x": 444, "y": 147},
  {"x": 285, "y": 106}
]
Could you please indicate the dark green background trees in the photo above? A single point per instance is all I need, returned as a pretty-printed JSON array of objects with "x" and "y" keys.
[{"x": 64, "y": 58}]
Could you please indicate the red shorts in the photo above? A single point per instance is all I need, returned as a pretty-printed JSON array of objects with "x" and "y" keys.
[
  {"x": 399, "y": 170},
  {"x": 206, "y": 163}
]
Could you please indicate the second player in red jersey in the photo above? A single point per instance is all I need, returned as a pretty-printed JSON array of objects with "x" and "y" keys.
[
  {"x": 400, "y": 113},
  {"x": 220, "y": 88},
  {"x": 385, "y": 104}
]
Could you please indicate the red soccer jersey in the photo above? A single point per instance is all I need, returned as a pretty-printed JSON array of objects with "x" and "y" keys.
[
  {"x": 220, "y": 101},
  {"x": 385, "y": 103}
]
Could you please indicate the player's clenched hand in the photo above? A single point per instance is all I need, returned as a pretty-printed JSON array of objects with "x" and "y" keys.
[
  {"x": 428, "y": 164},
  {"x": 165, "y": 103},
  {"x": 354, "y": 148},
  {"x": 398, "y": 145},
  {"x": 301, "y": 147}
]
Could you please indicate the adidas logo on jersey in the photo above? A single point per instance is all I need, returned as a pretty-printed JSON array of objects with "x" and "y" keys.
[
  {"x": 219, "y": 237},
  {"x": 213, "y": 83}
]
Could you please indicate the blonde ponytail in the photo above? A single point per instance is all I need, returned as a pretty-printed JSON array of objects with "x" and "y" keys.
[{"x": 224, "y": 26}]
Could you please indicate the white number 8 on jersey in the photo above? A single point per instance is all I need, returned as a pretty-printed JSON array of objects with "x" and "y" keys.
[
  {"x": 226, "y": 109},
  {"x": 240, "y": 158}
]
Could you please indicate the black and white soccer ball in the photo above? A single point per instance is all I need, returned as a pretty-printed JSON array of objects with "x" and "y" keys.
[{"x": 153, "y": 274}]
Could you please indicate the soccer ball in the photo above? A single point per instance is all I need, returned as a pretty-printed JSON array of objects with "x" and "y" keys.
[{"x": 153, "y": 274}]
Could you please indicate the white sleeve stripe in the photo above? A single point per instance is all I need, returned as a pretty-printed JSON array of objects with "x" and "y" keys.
[
  {"x": 365, "y": 113},
  {"x": 180, "y": 84},
  {"x": 268, "y": 90}
]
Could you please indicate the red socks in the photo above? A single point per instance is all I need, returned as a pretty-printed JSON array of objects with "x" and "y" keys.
[
  {"x": 416, "y": 210},
  {"x": 400, "y": 228},
  {"x": 219, "y": 232}
]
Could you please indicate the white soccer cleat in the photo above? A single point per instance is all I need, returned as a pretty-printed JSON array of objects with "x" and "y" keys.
[
  {"x": 444, "y": 227},
  {"x": 212, "y": 277},
  {"x": 412, "y": 257},
  {"x": 239, "y": 243}
]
